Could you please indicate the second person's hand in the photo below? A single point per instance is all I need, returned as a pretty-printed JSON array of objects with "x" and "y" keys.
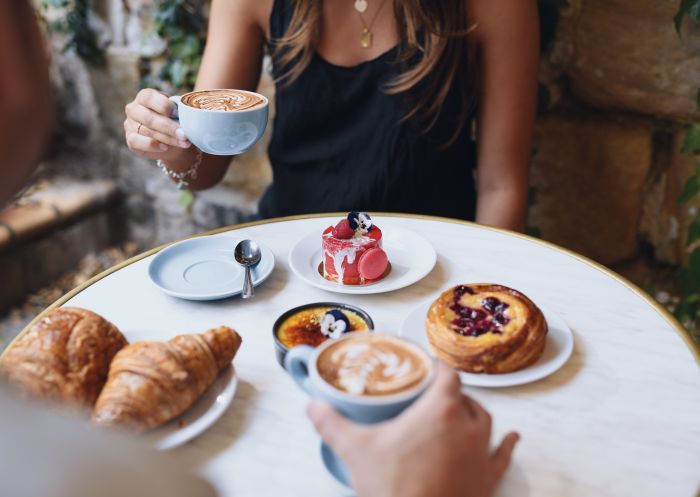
[
  {"x": 437, "y": 447},
  {"x": 150, "y": 131}
]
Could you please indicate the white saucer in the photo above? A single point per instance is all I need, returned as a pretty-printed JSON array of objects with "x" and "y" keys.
[
  {"x": 411, "y": 257},
  {"x": 557, "y": 350},
  {"x": 203, "y": 268},
  {"x": 204, "y": 413}
]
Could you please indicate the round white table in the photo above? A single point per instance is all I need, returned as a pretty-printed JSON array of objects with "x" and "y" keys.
[{"x": 622, "y": 417}]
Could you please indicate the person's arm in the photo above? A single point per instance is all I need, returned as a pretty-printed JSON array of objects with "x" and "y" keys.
[
  {"x": 26, "y": 106},
  {"x": 440, "y": 446},
  {"x": 232, "y": 59},
  {"x": 507, "y": 37}
]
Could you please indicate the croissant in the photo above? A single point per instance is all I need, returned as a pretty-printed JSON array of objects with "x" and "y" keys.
[
  {"x": 64, "y": 357},
  {"x": 150, "y": 383}
]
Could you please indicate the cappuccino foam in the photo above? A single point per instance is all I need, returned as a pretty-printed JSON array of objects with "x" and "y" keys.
[
  {"x": 230, "y": 100},
  {"x": 373, "y": 365}
]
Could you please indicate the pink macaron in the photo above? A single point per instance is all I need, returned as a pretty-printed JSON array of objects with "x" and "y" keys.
[{"x": 372, "y": 263}]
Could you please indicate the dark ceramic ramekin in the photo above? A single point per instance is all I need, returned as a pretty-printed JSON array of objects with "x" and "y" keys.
[{"x": 281, "y": 349}]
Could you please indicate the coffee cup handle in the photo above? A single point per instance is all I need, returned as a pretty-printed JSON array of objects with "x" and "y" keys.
[
  {"x": 297, "y": 365},
  {"x": 176, "y": 100}
]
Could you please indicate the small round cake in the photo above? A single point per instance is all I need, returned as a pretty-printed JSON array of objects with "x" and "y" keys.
[
  {"x": 352, "y": 251},
  {"x": 486, "y": 328}
]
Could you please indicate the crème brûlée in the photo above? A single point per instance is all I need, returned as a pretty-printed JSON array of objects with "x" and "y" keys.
[
  {"x": 486, "y": 328},
  {"x": 352, "y": 251}
]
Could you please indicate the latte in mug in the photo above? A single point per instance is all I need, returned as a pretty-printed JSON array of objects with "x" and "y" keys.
[
  {"x": 373, "y": 365},
  {"x": 228, "y": 100}
]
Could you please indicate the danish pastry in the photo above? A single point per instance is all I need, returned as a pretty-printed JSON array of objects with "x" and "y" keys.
[{"x": 486, "y": 328}]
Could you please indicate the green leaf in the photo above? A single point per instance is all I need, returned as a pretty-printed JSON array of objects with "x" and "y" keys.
[
  {"x": 693, "y": 232},
  {"x": 691, "y": 143},
  {"x": 690, "y": 8},
  {"x": 690, "y": 190},
  {"x": 186, "y": 200},
  {"x": 689, "y": 276},
  {"x": 177, "y": 73}
]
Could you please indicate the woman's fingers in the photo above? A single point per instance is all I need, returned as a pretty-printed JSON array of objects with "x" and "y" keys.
[
  {"x": 144, "y": 145},
  {"x": 132, "y": 126},
  {"x": 154, "y": 126},
  {"x": 155, "y": 101}
]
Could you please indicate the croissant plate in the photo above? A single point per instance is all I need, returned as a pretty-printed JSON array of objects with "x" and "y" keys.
[
  {"x": 64, "y": 357},
  {"x": 486, "y": 328},
  {"x": 150, "y": 383}
]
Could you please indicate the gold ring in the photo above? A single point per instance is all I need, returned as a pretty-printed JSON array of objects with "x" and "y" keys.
[{"x": 138, "y": 130}]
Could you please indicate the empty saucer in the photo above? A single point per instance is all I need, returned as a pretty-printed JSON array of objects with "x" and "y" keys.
[{"x": 204, "y": 268}]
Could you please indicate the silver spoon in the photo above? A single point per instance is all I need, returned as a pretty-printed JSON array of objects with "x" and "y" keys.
[{"x": 247, "y": 254}]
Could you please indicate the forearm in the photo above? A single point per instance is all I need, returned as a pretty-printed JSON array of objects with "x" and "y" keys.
[
  {"x": 503, "y": 208},
  {"x": 210, "y": 171}
]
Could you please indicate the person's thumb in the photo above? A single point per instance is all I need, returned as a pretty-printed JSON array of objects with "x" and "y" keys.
[{"x": 337, "y": 431}]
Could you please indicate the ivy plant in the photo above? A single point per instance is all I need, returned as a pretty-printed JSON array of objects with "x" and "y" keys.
[
  {"x": 182, "y": 24},
  {"x": 71, "y": 19},
  {"x": 688, "y": 308}
]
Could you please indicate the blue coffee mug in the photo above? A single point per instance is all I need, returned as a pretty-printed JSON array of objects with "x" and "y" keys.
[
  {"x": 222, "y": 132},
  {"x": 300, "y": 363}
]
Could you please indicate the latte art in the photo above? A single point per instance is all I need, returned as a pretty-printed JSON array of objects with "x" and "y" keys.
[
  {"x": 373, "y": 365},
  {"x": 230, "y": 100}
]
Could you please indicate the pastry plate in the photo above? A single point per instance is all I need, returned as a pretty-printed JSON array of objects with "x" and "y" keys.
[
  {"x": 557, "y": 350},
  {"x": 204, "y": 413},
  {"x": 411, "y": 256},
  {"x": 203, "y": 268}
]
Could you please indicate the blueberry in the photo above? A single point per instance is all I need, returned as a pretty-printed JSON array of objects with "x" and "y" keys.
[{"x": 490, "y": 303}]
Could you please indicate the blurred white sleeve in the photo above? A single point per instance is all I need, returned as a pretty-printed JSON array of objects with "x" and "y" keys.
[{"x": 44, "y": 453}]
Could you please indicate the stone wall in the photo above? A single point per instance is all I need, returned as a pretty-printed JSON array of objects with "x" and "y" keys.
[{"x": 606, "y": 169}]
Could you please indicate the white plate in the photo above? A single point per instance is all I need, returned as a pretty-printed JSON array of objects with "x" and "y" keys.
[
  {"x": 204, "y": 413},
  {"x": 203, "y": 268},
  {"x": 557, "y": 350},
  {"x": 411, "y": 257}
]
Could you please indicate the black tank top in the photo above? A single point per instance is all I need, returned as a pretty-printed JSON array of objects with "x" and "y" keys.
[{"x": 339, "y": 144}]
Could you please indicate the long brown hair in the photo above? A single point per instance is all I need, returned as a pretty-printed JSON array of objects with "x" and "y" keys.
[{"x": 433, "y": 54}]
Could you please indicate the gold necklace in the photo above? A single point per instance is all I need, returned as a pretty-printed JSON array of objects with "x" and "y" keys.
[{"x": 366, "y": 34}]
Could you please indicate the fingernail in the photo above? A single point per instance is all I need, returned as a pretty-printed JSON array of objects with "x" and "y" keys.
[
  {"x": 163, "y": 147},
  {"x": 180, "y": 134},
  {"x": 184, "y": 144}
]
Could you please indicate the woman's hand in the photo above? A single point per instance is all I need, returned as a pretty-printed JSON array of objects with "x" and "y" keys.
[
  {"x": 150, "y": 131},
  {"x": 438, "y": 446}
]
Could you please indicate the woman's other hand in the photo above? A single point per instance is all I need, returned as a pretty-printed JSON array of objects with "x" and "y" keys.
[
  {"x": 438, "y": 446},
  {"x": 149, "y": 129}
]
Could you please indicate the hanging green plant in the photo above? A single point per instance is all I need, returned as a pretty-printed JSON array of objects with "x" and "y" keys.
[
  {"x": 182, "y": 24},
  {"x": 71, "y": 18},
  {"x": 688, "y": 309}
]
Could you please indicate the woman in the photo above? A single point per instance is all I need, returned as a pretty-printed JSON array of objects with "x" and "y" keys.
[{"x": 374, "y": 103}]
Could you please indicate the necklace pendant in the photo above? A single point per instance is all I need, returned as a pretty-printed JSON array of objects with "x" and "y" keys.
[
  {"x": 361, "y": 6},
  {"x": 365, "y": 38},
  {"x": 182, "y": 184}
]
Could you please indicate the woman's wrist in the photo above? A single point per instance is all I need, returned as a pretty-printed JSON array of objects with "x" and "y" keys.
[{"x": 180, "y": 160}]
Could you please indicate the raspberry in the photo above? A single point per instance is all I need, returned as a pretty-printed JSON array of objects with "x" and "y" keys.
[{"x": 343, "y": 230}]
